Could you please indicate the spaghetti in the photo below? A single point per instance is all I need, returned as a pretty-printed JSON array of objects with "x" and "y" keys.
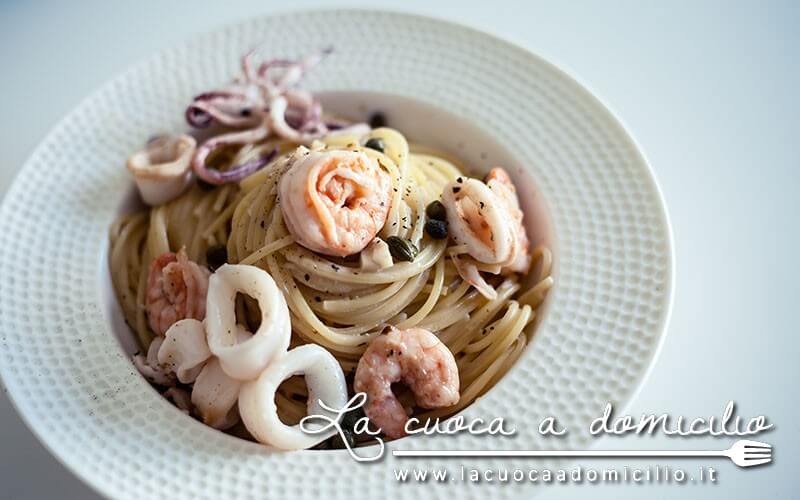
[
  {"x": 480, "y": 311},
  {"x": 332, "y": 301}
]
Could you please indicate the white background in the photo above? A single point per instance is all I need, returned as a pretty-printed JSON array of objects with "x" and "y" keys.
[{"x": 710, "y": 91}]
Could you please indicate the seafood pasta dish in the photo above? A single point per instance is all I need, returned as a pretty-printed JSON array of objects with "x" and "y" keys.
[{"x": 288, "y": 260}]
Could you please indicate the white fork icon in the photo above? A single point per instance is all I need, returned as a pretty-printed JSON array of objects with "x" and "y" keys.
[
  {"x": 747, "y": 453},
  {"x": 744, "y": 453}
]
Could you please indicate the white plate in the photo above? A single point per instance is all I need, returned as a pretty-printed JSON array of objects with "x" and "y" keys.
[{"x": 74, "y": 385}]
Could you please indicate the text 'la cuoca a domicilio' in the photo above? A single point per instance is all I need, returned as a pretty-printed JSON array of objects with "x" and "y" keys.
[{"x": 729, "y": 424}]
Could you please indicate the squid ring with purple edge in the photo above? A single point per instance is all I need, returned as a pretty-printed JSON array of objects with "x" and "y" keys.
[{"x": 235, "y": 173}]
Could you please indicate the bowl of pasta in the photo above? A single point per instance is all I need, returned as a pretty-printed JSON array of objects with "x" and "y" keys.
[{"x": 255, "y": 257}]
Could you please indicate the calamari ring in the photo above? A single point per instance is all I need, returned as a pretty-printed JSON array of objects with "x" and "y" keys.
[
  {"x": 245, "y": 360},
  {"x": 325, "y": 382}
]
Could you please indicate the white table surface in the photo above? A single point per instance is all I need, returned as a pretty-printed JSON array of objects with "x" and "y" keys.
[{"x": 710, "y": 90}]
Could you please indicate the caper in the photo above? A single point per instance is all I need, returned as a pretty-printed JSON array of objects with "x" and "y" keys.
[
  {"x": 350, "y": 418},
  {"x": 375, "y": 143},
  {"x": 216, "y": 256},
  {"x": 436, "y": 229},
  {"x": 338, "y": 440},
  {"x": 205, "y": 186},
  {"x": 401, "y": 250},
  {"x": 435, "y": 210},
  {"x": 377, "y": 120}
]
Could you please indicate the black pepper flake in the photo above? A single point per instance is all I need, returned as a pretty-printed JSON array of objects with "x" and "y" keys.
[
  {"x": 335, "y": 267},
  {"x": 481, "y": 204},
  {"x": 317, "y": 299},
  {"x": 306, "y": 277},
  {"x": 246, "y": 112},
  {"x": 460, "y": 180},
  {"x": 456, "y": 189}
]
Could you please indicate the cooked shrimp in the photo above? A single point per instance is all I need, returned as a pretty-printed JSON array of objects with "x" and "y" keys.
[
  {"x": 415, "y": 357},
  {"x": 334, "y": 202},
  {"x": 479, "y": 219},
  {"x": 176, "y": 290},
  {"x": 499, "y": 181}
]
